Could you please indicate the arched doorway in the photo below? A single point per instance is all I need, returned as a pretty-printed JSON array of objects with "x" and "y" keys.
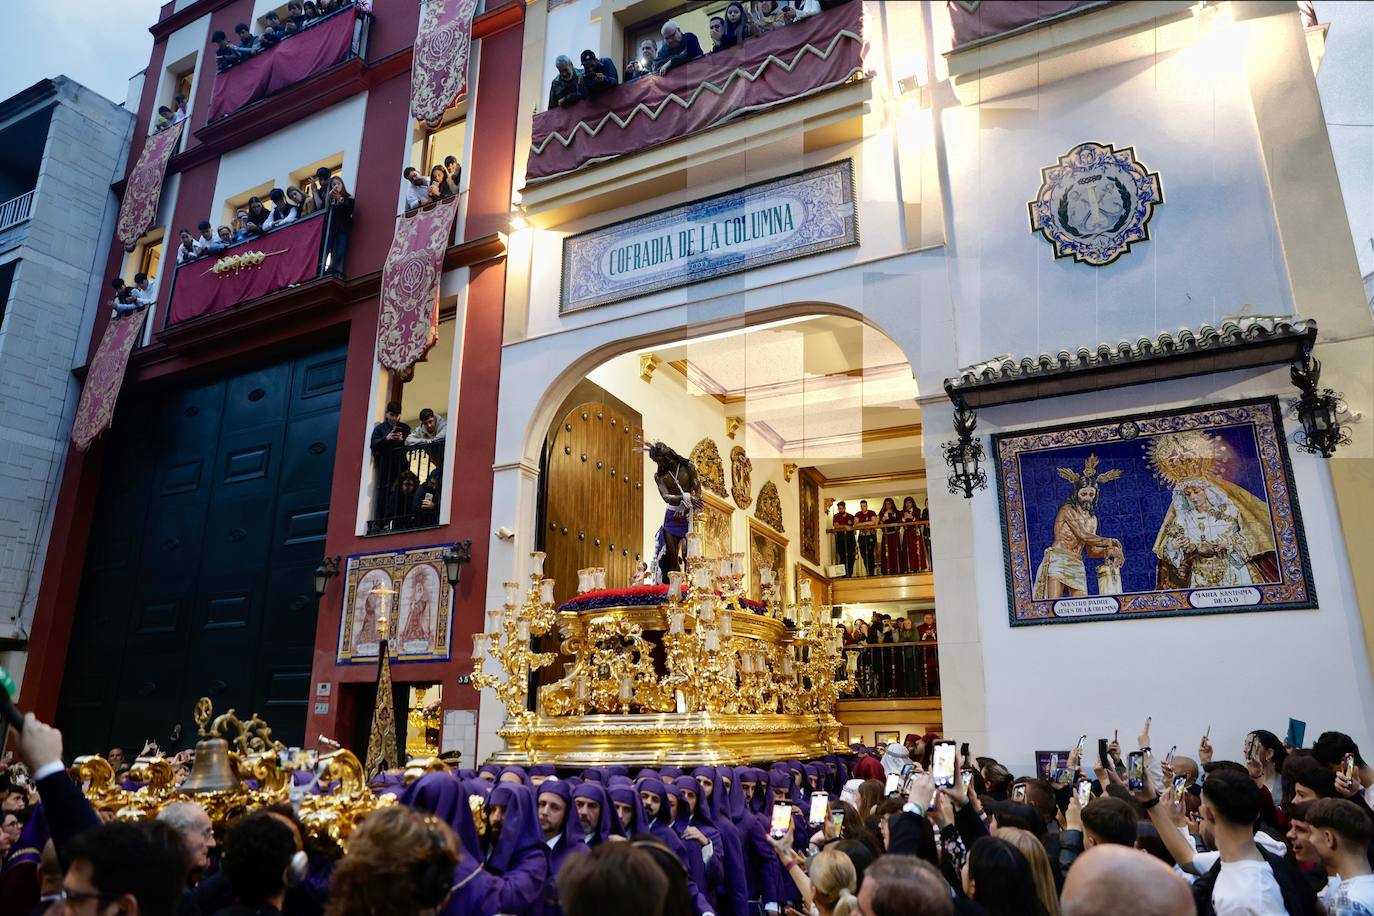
[{"x": 785, "y": 417}]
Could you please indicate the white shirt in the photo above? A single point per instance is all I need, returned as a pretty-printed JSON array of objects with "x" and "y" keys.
[
  {"x": 1247, "y": 888},
  {"x": 415, "y": 195},
  {"x": 146, "y": 296},
  {"x": 1353, "y": 897},
  {"x": 200, "y": 244}
]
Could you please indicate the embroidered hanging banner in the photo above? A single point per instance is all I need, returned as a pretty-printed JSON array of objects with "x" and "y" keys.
[
  {"x": 104, "y": 378},
  {"x": 811, "y": 56},
  {"x": 439, "y": 69},
  {"x": 409, "y": 321},
  {"x": 144, "y": 188}
]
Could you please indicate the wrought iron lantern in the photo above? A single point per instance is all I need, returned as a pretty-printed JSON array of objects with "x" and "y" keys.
[
  {"x": 964, "y": 454},
  {"x": 1317, "y": 410},
  {"x": 328, "y": 569},
  {"x": 455, "y": 557}
]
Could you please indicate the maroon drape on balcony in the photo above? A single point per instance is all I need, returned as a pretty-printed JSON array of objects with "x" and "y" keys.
[
  {"x": 973, "y": 21},
  {"x": 409, "y": 321},
  {"x": 104, "y": 378},
  {"x": 813, "y": 55},
  {"x": 317, "y": 48},
  {"x": 291, "y": 255},
  {"x": 439, "y": 68},
  {"x": 144, "y": 187}
]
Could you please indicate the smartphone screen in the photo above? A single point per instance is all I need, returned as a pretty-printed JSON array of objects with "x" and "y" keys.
[
  {"x": 1103, "y": 758},
  {"x": 1085, "y": 792},
  {"x": 1169, "y": 757},
  {"x": 1348, "y": 766},
  {"x": 894, "y": 784},
  {"x": 1018, "y": 793},
  {"x": 1135, "y": 771},
  {"x": 968, "y": 778},
  {"x": 1180, "y": 786},
  {"x": 782, "y": 819},
  {"x": 1082, "y": 746},
  {"x": 942, "y": 764},
  {"x": 820, "y": 803},
  {"x": 837, "y": 816}
]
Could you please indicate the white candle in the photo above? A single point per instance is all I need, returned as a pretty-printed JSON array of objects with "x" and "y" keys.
[
  {"x": 477, "y": 639},
  {"x": 746, "y": 661},
  {"x": 766, "y": 576},
  {"x": 537, "y": 563},
  {"x": 693, "y": 546},
  {"x": 546, "y": 591},
  {"x": 727, "y": 626},
  {"x": 701, "y": 577},
  {"x": 512, "y": 593},
  {"x": 626, "y": 687},
  {"x": 675, "y": 622},
  {"x": 599, "y": 576},
  {"x": 674, "y": 585},
  {"x": 522, "y": 630},
  {"x": 712, "y": 640},
  {"x": 580, "y": 685},
  {"x": 496, "y": 617}
]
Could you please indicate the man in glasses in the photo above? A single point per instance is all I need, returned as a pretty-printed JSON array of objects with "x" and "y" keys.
[{"x": 135, "y": 869}]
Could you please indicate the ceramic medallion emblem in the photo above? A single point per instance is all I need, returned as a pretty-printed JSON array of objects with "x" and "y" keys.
[{"x": 1095, "y": 202}]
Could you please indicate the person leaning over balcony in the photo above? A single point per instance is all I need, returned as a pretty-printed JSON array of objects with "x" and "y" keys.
[
  {"x": 124, "y": 302},
  {"x": 186, "y": 251},
  {"x": 296, "y": 198},
  {"x": 440, "y": 187},
  {"x": 164, "y": 118},
  {"x": 205, "y": 236},
  {"x": 770, "y": 15},
  {"x": 295, "y": 12},
  {"x": 432, "y": 428},
  {"x": 273, "y": 32},
  {"x": 144, "y": 290},
  {"x": 241, "y": 232},
  {"x": 319, "y": 188},
  {"x": 563, "y": 90},
  {"x": 598, "y": 75},
  {"x": 283, "y": 211},
  {"x": 738, "y": 26},
  {"x": 340, "y": 206},
  {"x": 289, "y": 28},
  {"x": 642, "y": 65},
  {"x": 414, "y": 190},
  {"x": 455, "y": 171},
  {"x": 248, "y": 43},
  {"x": 717, "y": 32},
  {"x": 225, "y": 238},
  {"x": 258, "y": 216},
  {"x": 678, "y": 47}
]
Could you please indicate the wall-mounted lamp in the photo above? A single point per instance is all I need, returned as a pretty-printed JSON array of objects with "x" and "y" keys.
[
  {"x": 456, "y": 556},
  {"x": 328, "y": 569},
  {"x": 1317, "y": 409},
  {"x": 964, "y": 454}
]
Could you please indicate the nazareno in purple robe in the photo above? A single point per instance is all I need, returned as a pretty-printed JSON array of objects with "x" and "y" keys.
[
  {"x": 571, "y": 842},
  {"x": 733, "y": 897},
  {"x": 609, "y": 823},
  {"x": 697, "y": 815},
  {"x": 479, "y": 890},
  {"x": 661, "y": 826},
  {"x": 762, "y": 867}
]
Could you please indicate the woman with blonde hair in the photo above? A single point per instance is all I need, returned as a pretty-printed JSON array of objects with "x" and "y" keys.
[
  {"x": 1039, "y": 860},
  {"x": 828, "y": 886}
]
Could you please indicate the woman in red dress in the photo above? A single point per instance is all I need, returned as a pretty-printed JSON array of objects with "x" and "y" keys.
[
  {"x": 893, "y": 561},
  {"x": 912, "y": 542}
]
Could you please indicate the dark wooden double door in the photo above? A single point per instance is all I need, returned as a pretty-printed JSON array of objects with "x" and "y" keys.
[{"x": 199, "y": 575}]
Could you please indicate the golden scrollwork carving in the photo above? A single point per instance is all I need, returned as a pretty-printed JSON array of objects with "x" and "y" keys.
[
  {"x": 710, "y": 469},
  {"x": 769, "y": 509},
  {"x": 740, "y": 484}
]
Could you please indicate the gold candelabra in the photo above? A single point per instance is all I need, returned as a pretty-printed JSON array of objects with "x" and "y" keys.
[{"x": 514, "y": 626}]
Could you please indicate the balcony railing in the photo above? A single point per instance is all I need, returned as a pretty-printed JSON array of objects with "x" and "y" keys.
[
  {"x": 248, "y": 270},
  {"x": 16, "y": 210},
  {"x": 902, "y": 670},
  {"x": 328, "y": 41},
  {"x": 887, "y": 550},
  {"x": 407, "y": 487},
  {"x": 820, "y": 52}
]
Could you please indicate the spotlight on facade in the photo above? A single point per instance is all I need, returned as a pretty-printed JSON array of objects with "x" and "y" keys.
[
  {"x": 1317, "y": 409},
  {"x": 964, "y": 454},
  {"x": 328, "y": 569},
  {"x": 457, "y": 554}
]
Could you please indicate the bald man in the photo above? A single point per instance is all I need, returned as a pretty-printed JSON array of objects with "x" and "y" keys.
[{"x": 1119, "y": 881}]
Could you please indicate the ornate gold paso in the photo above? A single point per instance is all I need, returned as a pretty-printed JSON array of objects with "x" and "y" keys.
[
  {"x": 710, "y": 468},
  {"x": 220, "y": 775},
  {"x": 699, "y": 678},
  {"x": 242, "y": 261}
]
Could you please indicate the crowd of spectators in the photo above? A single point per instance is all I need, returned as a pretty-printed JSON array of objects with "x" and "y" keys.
[
  {"x": 597, "y": 74},
  {"x": 408, "y": 463},
  {"x": 905, "y": 538},
  {"x": 898, "y": 830},
  {"x": 418, "y": 191},
  {"x": 890, "y": 656},
  {"x": 325, "y": 193},
  {"x": 166, "y": 117},
  {"x": 244, "y": 45}
]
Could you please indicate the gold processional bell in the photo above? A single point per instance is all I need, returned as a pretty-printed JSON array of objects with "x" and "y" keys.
[{"x": 213, "y": 771}]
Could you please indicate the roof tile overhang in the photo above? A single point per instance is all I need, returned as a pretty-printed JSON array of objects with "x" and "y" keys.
[{"x": 1240, "y": 343}]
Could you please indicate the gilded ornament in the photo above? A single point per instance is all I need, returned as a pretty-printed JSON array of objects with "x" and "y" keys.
[
  {"x": 710, "y": 469},
  {"x": 769, "y": 509},
  {"x": 740, "y": 468}
]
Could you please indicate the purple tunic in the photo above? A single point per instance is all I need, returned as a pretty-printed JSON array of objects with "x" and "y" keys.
[
  {"x": 570, "y": 843},
  {"x": 732, "y": 899},
  {"x": 661, "y": 826}
]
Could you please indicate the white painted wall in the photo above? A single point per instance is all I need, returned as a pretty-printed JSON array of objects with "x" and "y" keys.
[{"x": 572, "y": 28}]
